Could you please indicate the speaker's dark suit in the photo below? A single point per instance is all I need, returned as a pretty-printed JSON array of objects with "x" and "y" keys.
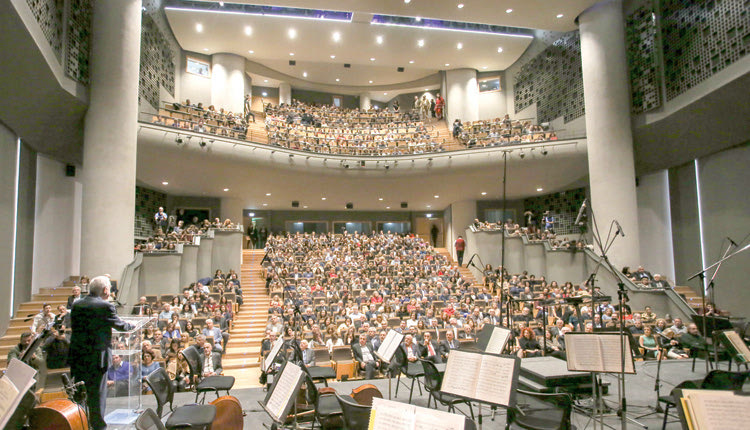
[
  {"x": 92, "y": 321},
  {"x": 370, "y": 366}
]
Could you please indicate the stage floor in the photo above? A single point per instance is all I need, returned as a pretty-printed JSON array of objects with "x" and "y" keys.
[{"x": 639, "y": 393}]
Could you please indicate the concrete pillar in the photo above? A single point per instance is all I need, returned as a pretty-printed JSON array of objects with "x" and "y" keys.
[
  {"x": 461, "y": 95},
  {"x": 655, "y": 222},
  {"x": 364, "y": 101},
  {"x": 228, "y": 82},
  {"x": 285, "y": 93},
  {"x": 110, "y": 138},
  {"x": 608, "y": 133}
]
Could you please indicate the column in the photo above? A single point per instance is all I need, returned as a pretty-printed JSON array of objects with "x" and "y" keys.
[
  {"x": 655, "y": 222},
  {"x": 364, "y": 101},
  {"x": 231, "y": 208},
  {"x": 110, "y": 139},
  {"x": 461, "y": 95},
  {"x": 228, "y": 82},
  {"x": 285, "y": 93},
  {"x": 609, "y": 137}
]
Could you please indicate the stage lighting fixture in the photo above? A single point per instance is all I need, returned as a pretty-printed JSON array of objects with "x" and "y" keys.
[
  {"x": 202, "y": 143},
  {"x": 521, "y": 154},
  {"x": 178, "y": 139},
  {"x": 544, "y": 151}
]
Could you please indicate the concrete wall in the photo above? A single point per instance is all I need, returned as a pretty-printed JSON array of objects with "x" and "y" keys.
[
  {"x": 194, "y": 87},
  {"x": 188, "y": 265},
  {"x": 25, "y": 224},
  {"x": 462, "y": 95},
  {"x": 655, "y": 224},
  {"x": 160, "y": 274},
  {"x": 205, "y": 255},
  {"x": 57, "y": 232},
  {"x": 8, "y": 159},
  {"x": 228, "y": 82},
  {"x": 492, "y": 104},
  {"x": 462, "y": 214},
  {"x": 226, "y": 252}
]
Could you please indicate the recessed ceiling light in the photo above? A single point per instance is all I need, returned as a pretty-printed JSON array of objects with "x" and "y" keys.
[
  {"x": 372, "y": 58},
  {"x": 165, "y": 183},
  {"x": 304, "y": 74},
  {"x": 508, "y": 10},
  {"x": 436, "y": 196},
  {"x": 199, "y": 27},
  {"x": 429, "y": 206},
  {"x": 379, "y": 40},
  {"x": 539, "y": 189},
  {"x": 427, "y": 89},
  {"x": 407, "y": 1},
  {"x": 251, "y": 51},
  {"x": 484, "y": 67},
  {"x": 291, "y": 54},
  {"x": 336, "y": 36},
  {"x": 459, "y": 45},
  {"x": 265, "y": 204},
  {"x": 370, "y": 81},
  {"x": 337, "y": 79},
  {"x": 332, "y": 57},
  {"x": 420, "y": 43},
  {"x": 411, "y": 61},
  {"x": 304, "y": 207},
  {"x": 265, "y": 80},
  {"x": 385, "y": 94},
  {"x": 205, "y": 49},
  {"x": 322, "y": 198},
  {"x": 460, "y": 5},
  {"x": 221, "y": 3},
  {"x": 499, "y": 49},
  {"x": 248, "y": 30},
  {"x": 484, "y": 193},
  {"x": 559, "y": 15},
  {"x": 380, "y": 199},
  {"x": 265, "y": 94},
  {"x": 387, "y": 207},
  {"x": 419, "y": 19},
  {"x": 292, "y": 33},
  {"x": 268, "y": 194},
  {"x": 447, "y": 64},
  {"x": 226, "y": 189}
]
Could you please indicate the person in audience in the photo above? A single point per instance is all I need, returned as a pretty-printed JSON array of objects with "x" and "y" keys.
[
  {"x": 658, "y": 282},
  {"x": 140, "y": 307},
  {"x": 161, "y": 219},
  {"x": 430, "y": 350},
  {"x": 37, "y": 359},
  {"x": 678, "y": 328},
  {"x": 528, "y": 346},
  {"x": 74, "y": 297},
  {"x": 166, "y": 313},
  {"x": 672, "y": 345},
  {"x": 460, "y": 246},
  {"x": 44, "y": 320},
  {"x": 148, "y": 365},
  {"x": 215, "y": 335},
  {"x": 210, "y": 365},
  {"x": 647, "y": 342},
  {"x": 648, "y": 316},
  {"x": 411, "y": 349},
  {"x": 637, "y": 328},
  {"x": 118, "y": 376},
  {"x": 364, "y": 355},
  {"x": 449, "y": 344},
  {"x": 308, "y": 356}
]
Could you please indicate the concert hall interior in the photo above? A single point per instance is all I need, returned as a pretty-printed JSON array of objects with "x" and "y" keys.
[{"x": 387, "y": 213}]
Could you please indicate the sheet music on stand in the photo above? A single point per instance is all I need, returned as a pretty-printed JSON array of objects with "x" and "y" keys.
[
  {"x": 736, "y": 345},
  {"x": 482, "y": 377},
  {"x": 493, "y": 339},
  {"x": 17, "y": 380},
  {"x": 597, "y": 352},
  {"x": 392, "y": 415},
  {"x": 390, "y": 344},
  {"x": 269, "y": 359},
  {"x": 712, "y": 409},
  {"x": 283, "y": 393}
]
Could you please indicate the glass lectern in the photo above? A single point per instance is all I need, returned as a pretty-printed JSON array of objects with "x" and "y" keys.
[{"x": 124, "y": 374}]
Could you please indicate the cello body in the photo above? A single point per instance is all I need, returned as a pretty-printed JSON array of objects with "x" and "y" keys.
[
  {"x": 60, "y": 414},
  {"x": 229, "y": 415},
  {"x": 365, "y": 393}
]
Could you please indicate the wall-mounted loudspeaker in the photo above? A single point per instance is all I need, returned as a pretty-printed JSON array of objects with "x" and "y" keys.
[
  {"x": 295, "y": 204},
  {"x": 404, "y": 205},
  {"x": 70, "y": 170},
  {"x": 400, "y": 69},
  {"x": 292, "y": 62},
  {"x": 350, "y": 205}
]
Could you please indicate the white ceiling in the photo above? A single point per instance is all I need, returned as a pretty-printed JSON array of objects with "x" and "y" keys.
[
  {"x": 314, "y": 45},
  {"x": 534, "y": 14},
  {"x": 250, "y": 173}
]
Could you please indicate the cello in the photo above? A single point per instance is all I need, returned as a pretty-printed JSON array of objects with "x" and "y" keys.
[
  {"x": 229, "y": 414},
  {"x": 60, "y": 414},
  {"x": 365, "y": 393}
]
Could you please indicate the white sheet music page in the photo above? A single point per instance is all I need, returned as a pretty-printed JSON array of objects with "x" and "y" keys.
[
  {"x": 433, "y": 419},
  {"x": 612, "y": 355},
  {"x": 495, "y": 380},
  {"x": 8, "y": 394},
  {"x": 283, "y": 390},
  {"x": 461, "y": 373},
  {"x": 583, "y": 353},
  {"x": 498, "y": 340},
  {"x": 718, "y": 410},
  {"x": 272, "y": 354},
  {"x": 390, "y": 343},
  {"x": 390, "y": 415}
]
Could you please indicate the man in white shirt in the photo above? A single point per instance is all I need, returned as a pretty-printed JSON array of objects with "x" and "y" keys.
[
  {"x": 365, "y": 356},
  {"x": 308, "y": 356}
]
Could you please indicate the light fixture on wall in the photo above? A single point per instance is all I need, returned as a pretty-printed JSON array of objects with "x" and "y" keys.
[{"x": 544, "y": 151}]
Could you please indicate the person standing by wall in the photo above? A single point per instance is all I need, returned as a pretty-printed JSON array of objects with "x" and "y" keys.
[{"x": 460, "y": 246}]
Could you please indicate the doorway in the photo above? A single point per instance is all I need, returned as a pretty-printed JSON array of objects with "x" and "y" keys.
[{"x": 425, "y": 230}]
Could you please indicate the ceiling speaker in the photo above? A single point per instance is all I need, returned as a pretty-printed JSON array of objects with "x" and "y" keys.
[
  {"x": 350, "y": 205},
  {"x": 295, "y": 204},
  {"x": 347, "y": 66},
  {"x": 400, "y": 69},
  {"x": 404, "y": 205}
]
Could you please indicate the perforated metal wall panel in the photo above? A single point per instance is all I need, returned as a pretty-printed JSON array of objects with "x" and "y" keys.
[
  {"x": 49, "y": 16},
  {"x": 700, "y": 38},
  {"x": 553, "y": 80},
  {"x": 157, "y": 62},
  {"x": 563, "y": 206},
  {"x": 147, "y": 203},
  {"x": 645, "y": 79},
  {"x": 78, "y": 43}
]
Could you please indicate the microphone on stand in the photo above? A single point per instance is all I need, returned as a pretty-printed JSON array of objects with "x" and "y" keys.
[
  {"x": 619, "y": 229},
  {"x": 580, "y": 212}
]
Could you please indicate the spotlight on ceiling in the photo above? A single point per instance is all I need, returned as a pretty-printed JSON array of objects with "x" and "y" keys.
[
  {"x": 178, "y": 139},
  {"x": 202, "y": 143},
  {"x": 521, "y": 154},
  {"x": 544, "y": 151}
]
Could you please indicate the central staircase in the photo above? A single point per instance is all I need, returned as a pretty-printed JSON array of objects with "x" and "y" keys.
[{"x": 242, "y": 357}]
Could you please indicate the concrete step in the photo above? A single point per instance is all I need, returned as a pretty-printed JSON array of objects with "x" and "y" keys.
[{"x": 239, "y": 363}]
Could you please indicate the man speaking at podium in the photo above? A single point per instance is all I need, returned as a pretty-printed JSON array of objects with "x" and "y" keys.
[{"x": 92, "y": 321}]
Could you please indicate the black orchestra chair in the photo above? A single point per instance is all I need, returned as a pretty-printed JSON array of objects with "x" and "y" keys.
[
  {"x": 162, "y": 387},
  {"x": 208, "y": 384},
  {"x": 327, "y": 410},
  {"x": 433, "y": 380},
  {"x": 540, "y": 411},
  {"x": 317, "y": 373},
  {"x": 356, "y": 416},
  {"x": 187, "y": 416},
  {"x": 715, "y": 380},
  {"x": 148, "y": 420},
  {"x": 412, "y": 370}
]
